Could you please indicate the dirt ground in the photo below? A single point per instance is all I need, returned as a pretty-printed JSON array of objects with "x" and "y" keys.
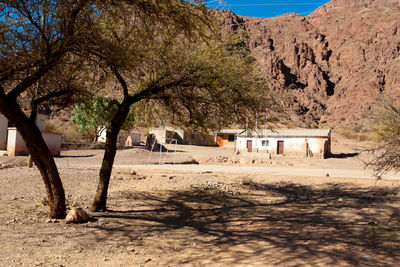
[{"x": 173, "y": 218}]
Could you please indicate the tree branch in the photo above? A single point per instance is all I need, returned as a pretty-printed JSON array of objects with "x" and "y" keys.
[
  {"x": 54, "y": 58},
  {"x": 28, "y": 15},
  {"x": 51, "y": 95},
  {"x": 152, "y": 90},
  {"x": 121, "y": 81},
  {"x": 30, "y": 80},
  {"x": 5, "y": 75}
]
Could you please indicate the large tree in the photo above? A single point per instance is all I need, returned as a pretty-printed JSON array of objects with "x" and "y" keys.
[
  {"x": 36, "y": 67},
  {"x": 197, "y": 79},
  {"x": 41, "y": 44}
]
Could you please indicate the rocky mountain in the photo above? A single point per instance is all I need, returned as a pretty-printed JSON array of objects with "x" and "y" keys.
[{"x": 333, "y": 63}]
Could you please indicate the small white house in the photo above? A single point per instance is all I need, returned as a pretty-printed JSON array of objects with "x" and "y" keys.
[
  {"x": 12, "y": 144},
  {"x": 291, "y": 142}
]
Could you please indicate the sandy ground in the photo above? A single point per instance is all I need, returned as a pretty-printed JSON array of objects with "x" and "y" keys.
[{"x": 201, "y": 218}]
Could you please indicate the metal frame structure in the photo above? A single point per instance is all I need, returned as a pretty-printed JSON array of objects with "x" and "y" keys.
[{"x": 175, "y": 141}]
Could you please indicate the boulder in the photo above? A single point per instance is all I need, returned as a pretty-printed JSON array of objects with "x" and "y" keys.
[{"x": 77, "y": 215}]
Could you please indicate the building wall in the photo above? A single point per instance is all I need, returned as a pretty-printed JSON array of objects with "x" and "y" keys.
[
  {"x": 133, "y": 140},
  {"x": 292, "y": 145},
  {"x": 175, "y": 133},
  {"x": 41, "y": 122},
  {"x": 3, "y": 132},
  {"x": 53, "y": 142},
  {"x": 160, "y": 133},
  {"x": 223, "y": 140},
  {"x": 16, "y": 145},
  {"x": 199, "y": 139},
  {"x": 166, "y": 134}
]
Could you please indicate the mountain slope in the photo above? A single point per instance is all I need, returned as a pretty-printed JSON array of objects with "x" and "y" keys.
[{"x": 334, "y": 62}]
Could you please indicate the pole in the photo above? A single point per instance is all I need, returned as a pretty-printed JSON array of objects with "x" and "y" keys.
[
  {"x": 247, "y": 122},
  {"x": 266, "y": 130},
  {"x": 256, "y": 121}
]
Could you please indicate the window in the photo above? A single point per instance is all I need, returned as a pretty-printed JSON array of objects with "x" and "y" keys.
[
  {"x": 265, "y": 143},
  {"x": 231, "y": 138}
]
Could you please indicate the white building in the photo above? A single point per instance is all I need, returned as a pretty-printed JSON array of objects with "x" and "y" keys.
[
  {"x": 291, "y": 142},
  {"x": 12, "y": 144}
]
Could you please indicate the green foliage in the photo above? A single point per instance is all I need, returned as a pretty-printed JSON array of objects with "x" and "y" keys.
[{"x": 95, "y": 114}]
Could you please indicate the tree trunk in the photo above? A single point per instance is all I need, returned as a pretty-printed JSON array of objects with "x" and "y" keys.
[
  {"x": 40, "y": 153},
  {"x": 30, "y": 161},
  {"x": 100, "y": 199}
]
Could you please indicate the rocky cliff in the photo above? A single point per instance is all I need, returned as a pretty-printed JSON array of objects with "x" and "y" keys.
[{"x": 334, "y": 63}]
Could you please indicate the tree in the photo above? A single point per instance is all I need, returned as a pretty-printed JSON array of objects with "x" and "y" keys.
[
  {"x": 93, "y": 115},
  {"x": 41, "y": 44},
  {"x": 385, "y": 135},
  {"x": 36, "y": 68},
  {"x": 197, "y": 82}
]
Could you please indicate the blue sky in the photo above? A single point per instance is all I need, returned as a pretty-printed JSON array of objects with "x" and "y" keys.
[{"x": 267, "y": 8}]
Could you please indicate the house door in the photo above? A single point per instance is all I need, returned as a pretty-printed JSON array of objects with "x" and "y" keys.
[
  {"x": 220, "y": 140},
  {"x": 249, "y": 146},
  {"x": 279, "y": 150}
]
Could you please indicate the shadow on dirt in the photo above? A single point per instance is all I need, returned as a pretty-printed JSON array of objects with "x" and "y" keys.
[
  {"x": 330, "y": 225},
  {"x": 76, "y": 156},
  {"x": 343, "y": 155}
]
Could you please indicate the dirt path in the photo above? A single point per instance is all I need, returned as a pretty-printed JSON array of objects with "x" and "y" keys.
[{"x": 252, "y": 170}]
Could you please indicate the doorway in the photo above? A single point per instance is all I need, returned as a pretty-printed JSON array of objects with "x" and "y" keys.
[
  {"x": 249, "y": 146},
  {"x": 280, "y": 147}
]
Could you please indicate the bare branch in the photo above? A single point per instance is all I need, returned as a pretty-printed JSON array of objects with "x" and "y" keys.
[
  {"x": 28, "y": 15},
  {"x": 51, "y": 95},
  {"x": 120, "y": 80},
  {"x": 32, "y": 79}
]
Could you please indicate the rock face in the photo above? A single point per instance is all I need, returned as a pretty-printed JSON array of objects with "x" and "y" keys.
[
  {"x": 77, "y": 215},
  {"x": 333, "y": 63}
]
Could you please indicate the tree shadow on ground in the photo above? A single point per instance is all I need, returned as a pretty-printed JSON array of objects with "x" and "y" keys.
[
  {"x": 74, "y": 156},
  {"x": 343, "y": 155},
  {"x": 278, "y": 224}
]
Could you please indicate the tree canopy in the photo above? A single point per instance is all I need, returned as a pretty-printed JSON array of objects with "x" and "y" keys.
[
  {"x": 384, "y": 125},
  {"x": 41, "y": 60},
  {"x": 199, "y": 80},
  {"x": 163, "y": 57}
]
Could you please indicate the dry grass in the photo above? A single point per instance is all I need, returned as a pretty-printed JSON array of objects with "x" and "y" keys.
[{"x": 354, "y": 135}]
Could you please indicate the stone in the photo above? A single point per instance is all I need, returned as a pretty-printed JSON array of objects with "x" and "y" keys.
[
  {"x": 368, "y": 257},
  {"x": 77, "y": 215},
  {"x": 130, "y": 249}
]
